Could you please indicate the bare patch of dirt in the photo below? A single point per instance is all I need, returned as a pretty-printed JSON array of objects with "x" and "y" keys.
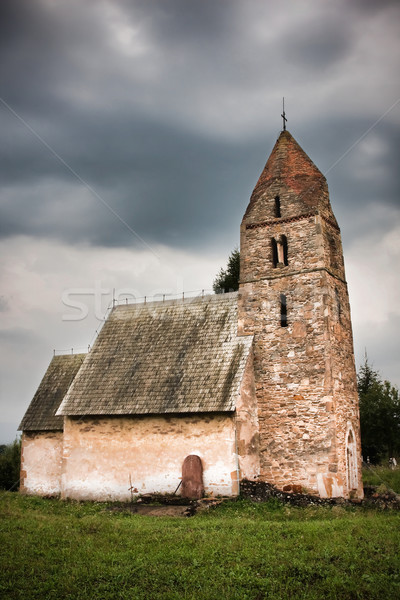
[
  {"x": 163, "y": 511},
  {"x": 259, "y": 491},
  {"x": 158, "y": 505}
]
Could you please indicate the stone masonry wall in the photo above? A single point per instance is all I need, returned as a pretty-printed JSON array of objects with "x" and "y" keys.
[
  {"x": 304, "y": 372},
  {"x": 295, "y": 404},
  {"x": 343, "y": 378},
  {"x": 305, "y": 249}
]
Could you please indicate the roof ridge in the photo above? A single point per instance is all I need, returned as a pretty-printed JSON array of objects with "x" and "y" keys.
[{"x": 181, "y": 300}]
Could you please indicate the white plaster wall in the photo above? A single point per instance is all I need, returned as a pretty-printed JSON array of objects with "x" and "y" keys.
[
  {"x": 100, "y": 455},
  {"x": 41, "y": 460}
]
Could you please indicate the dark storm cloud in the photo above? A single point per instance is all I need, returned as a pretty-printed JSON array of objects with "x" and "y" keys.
[
  {"x": 165, "y": 185},
  {"x": 357, "y": 180},
  {"x": 42, "y": 43},
  {"x": 135, "y": 97},
  {"x": 168, "y": 185},
  {"x": 171, "y": 20},
  {"x": 151, "y": 173}
]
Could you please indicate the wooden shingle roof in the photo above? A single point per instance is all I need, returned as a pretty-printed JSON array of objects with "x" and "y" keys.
[
  {"x": 163, "y": 357},
  {"x": 41, "y": 413}
]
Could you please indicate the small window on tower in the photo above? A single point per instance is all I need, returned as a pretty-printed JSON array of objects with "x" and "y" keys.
[
  {"x": 277, "y": 207},
  {"x": 338, "y": 305},
  {"x": 280, "y": 251},
  {"x": 283, "y": 311},
  {"x": 332, "y": 253},
  {"x": 274, "y": 247},
  {"x": 284, "y": 247}
]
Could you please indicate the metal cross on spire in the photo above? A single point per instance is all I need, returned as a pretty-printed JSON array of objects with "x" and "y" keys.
[{"x": 283, "y": 114}]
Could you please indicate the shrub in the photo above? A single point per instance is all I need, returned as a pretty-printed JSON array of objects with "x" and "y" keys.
[
  {"x": 10, "y": 463},
  {"x": 380, "y": 474}
]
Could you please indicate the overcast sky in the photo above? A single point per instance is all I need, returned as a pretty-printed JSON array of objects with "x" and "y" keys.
[{"x": 133, "y": 133}]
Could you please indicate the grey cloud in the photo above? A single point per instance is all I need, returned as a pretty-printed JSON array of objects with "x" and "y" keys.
[
  {"x": 382, "y": 347},
  {"x": 357, "y": 183},
  {"x": 318, "y": 44},
  {"x": 166, "y": 187},
  {"x": 3, "y": 304},
  {"x": 172, "y": 20},
  {"x": 13, "y": 337},
  {"x": 373, "y": 6},
  {"x": 170, "y": 185}
]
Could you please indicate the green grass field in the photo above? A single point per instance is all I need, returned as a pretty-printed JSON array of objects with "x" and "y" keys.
[{"x": 56, "y": 549}]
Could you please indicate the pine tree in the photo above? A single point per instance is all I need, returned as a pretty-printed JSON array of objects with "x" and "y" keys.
[
  {"x": 228, "y": 280},
  {"x": 379, "y": 415}
]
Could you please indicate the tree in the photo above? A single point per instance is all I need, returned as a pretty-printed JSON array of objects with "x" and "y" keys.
[
  {"x": 228, "y": 280},
  {"x": 379, "y": 415},
  {"x": 10, "y": 462}
]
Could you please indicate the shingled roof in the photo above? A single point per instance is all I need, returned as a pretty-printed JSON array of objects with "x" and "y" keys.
[
  {"x": 163, "y": 357},
  {"x": 41, "y": 413}
]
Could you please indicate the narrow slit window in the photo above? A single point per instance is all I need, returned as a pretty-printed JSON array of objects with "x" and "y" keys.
[
  {"x": 277, "y": 207},
  {"x": 285, "y": 250},
  {"x": 338, "y": 305},
  {"x": 281, "y": 251},
  {"x": 274, "y": 247},
  {"x": 332, "y": 253},
  {"x": 283, "y": 310}
]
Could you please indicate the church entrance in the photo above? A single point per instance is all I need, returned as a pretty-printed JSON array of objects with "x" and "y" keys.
[{"x": 192, "y": 477}]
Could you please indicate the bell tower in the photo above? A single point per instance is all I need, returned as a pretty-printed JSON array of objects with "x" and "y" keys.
[{"x": 293, "y": 298}]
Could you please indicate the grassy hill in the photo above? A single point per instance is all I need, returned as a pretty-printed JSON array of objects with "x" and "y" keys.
[{"x": 239, "y": 550}]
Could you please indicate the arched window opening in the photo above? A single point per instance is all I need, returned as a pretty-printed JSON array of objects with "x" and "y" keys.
[
  {"x": 277, "y": 207},
  {"x": 280, "y": 251},
  {"x": 351, "y": 455},
  {"x": 283, "y": 311},
  {"x": 274, "y": 247}
]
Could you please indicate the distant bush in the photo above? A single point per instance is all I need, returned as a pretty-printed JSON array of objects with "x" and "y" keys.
[
  {"x": 10, "y": 463},
  {"x": 380, "y": 474}
]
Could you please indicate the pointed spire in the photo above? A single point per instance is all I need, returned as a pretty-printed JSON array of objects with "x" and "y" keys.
[
  {"x": 290, "y": 171},
  {"x": 289, "y": 164}
]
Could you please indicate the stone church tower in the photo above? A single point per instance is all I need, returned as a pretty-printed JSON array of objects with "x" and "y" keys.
[{"x": 293, "y": 298}]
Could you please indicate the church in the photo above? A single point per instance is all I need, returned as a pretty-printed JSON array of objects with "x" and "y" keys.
[{"x": 258, "y": 384}]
